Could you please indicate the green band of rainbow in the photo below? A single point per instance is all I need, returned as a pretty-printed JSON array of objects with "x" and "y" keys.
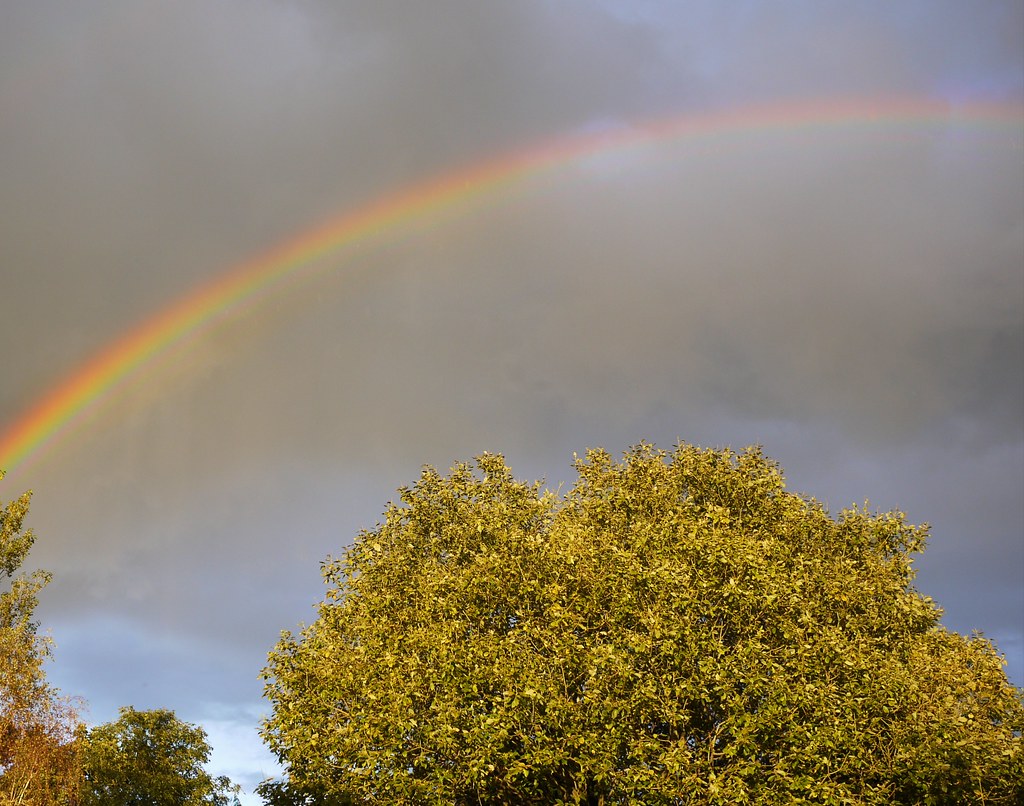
[{"x": 65, "y": 406}]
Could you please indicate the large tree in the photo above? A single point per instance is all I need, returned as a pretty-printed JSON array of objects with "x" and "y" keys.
[
  {"x": 679, "y": 628},
  {"x": 38, "y": 760},
  {"x": 150, "y": 758}
]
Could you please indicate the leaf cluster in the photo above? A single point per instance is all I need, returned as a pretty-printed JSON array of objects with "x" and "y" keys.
[
  {"x": 38, "y": 759},
  {"x": 149, "y": 758},
  {"x": 21, "y": 648},
  {"x": 679, "y": 628}
]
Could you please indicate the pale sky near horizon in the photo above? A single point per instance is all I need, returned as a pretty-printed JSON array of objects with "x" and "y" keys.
[{"x": 851, "y": 297}]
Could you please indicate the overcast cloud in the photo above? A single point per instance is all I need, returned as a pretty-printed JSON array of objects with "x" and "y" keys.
[{"x": 850, "y": 297}]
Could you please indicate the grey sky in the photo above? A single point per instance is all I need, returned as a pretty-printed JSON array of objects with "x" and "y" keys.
[{"x": 852, "y": 297}]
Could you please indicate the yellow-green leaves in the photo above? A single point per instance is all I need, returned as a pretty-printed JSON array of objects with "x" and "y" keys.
[
  {"x": 37, "y": 725},
  {"x": 677, "y": 628},
  {"x": 149, "y": 757}
]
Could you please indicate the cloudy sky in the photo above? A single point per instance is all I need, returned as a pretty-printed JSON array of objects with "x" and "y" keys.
[{"x": 850, "y": 296}]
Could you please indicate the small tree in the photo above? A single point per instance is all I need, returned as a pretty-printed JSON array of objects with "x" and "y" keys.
[
  {"x": 150, "y": 758},
  {"x": 38, "y": 760},
  {"x": 678, "y": 629}
]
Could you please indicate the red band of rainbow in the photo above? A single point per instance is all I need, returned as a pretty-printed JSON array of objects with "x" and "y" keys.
[{"x": 66, "y": 405}]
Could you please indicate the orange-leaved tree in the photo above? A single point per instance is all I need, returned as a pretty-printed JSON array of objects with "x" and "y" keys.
[{"x": 38, "y": 755}]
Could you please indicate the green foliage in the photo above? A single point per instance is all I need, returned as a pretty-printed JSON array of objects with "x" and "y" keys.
[
  {"x": 678, "y": 629},
  {"x": 149, "y": 758},
  {"x": 282, "y": 793},
  {"x": 38, "y": 760},
  {"x": 21, "y": 648}
]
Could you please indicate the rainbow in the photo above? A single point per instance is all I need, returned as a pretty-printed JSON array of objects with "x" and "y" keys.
[{"x": 69, "y": 403}]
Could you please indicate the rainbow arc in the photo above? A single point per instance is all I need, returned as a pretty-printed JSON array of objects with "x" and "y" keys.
[{"x": 67, "y": 405}]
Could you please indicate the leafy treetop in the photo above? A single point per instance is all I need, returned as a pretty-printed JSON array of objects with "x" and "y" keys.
[
  {"x": 679, "y": 628},
  {"x": 38, "y": 763},
  {"x": 150, "y": 758}
]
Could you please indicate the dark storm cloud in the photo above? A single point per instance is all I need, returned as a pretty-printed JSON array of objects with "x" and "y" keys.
[{"x": 851, "y": 298}]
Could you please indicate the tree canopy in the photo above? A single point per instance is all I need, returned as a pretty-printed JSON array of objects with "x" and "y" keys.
[
  {"x": 38, "y": 764},
  {"x": 149, "y": 758},
  {"x": 677, "y": 628},
  {"x": 47, "y": 757}
]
